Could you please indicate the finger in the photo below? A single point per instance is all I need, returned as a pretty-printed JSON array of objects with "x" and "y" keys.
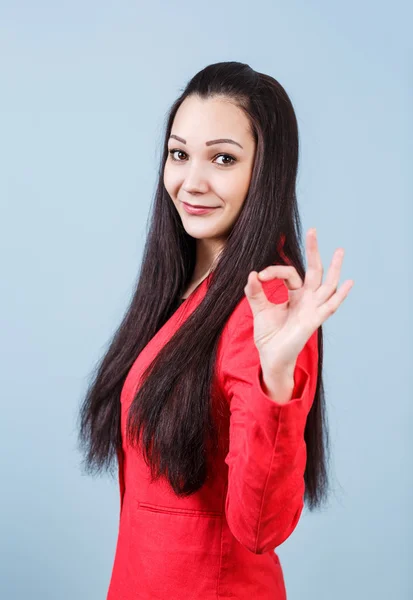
[
  {"x": 329, "y": 287},
  {"x": 314, "y": 273},
  {"x": 286, "y": 272},
  {"x": 330, "y": 307},
  {"x": 254, "y": 291}
]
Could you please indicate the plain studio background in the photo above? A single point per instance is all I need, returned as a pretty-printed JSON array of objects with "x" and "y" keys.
[{"x": 84, "y": 89}]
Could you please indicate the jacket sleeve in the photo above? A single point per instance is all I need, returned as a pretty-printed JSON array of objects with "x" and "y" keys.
[
  {"x": 121, "y": 480},
  {"x": 267, "y": 450}
]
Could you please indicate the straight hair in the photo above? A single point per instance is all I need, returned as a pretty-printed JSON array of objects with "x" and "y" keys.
[{"x": 177, "y": 436}]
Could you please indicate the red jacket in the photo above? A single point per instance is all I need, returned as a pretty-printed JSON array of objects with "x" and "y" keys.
[{"x": 219, "y": 542}]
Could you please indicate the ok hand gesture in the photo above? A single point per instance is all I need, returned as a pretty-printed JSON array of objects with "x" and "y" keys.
[{"x": 282, "y": 330}]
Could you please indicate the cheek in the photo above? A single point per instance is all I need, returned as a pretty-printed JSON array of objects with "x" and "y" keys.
[
  {"x": 169, "y": 182},
  {"x": 236, "y": 193}
]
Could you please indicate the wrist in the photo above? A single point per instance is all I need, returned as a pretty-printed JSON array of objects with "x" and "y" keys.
[{"x": 278, "y": 385}]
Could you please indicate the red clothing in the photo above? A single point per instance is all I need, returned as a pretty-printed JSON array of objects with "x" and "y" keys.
[{"x": 219, "y": 542}]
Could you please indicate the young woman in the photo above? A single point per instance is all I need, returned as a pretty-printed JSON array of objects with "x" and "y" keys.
[{"x": 210, "y": 395}]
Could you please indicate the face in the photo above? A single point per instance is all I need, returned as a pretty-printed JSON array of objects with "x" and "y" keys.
[{"x": 201, "y": 171}]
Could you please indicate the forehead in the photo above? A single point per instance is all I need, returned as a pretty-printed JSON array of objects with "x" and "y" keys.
[{"x": 199, "y": 120}]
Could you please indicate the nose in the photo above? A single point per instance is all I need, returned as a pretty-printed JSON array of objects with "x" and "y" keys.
[{"x": 195, "y": 182}]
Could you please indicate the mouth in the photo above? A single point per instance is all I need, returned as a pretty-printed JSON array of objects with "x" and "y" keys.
[
  {"x": 198, "y": 210},
  {"x": 198, "y": 205}
]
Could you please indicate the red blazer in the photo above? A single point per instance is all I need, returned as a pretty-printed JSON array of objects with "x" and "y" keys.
[{"x": 219, "y": 542}]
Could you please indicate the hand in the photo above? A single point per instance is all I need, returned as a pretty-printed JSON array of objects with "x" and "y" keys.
[{"x": 282, "y": 330}]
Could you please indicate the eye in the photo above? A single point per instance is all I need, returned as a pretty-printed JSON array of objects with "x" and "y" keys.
[
  {"x": 172, "y": 152},
  {"x": 233, "y": 160}
]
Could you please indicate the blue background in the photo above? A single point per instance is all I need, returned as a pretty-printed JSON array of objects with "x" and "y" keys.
[{"x": 85, "y": 87}]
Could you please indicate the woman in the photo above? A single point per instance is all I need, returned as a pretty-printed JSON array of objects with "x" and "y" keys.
[{"x": 210, "y": 394}]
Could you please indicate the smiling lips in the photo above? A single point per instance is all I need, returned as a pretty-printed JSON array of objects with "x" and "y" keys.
[{"x": 198, "y": 210}]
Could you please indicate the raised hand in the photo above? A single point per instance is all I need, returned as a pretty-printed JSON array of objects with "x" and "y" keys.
[{"x": 282, "y": 330}]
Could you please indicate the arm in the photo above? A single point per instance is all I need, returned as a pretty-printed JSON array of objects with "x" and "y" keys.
[{"x": 267, "y": 451}]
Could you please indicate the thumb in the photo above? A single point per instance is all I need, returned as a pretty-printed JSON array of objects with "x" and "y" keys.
[{"x": 255, "y": 294}]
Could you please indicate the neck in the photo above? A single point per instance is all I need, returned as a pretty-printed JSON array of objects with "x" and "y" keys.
[{"x": 207, "y": 252}]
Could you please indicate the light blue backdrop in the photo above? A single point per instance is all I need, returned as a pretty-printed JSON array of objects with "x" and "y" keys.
[{"x": 85, "y": 87}]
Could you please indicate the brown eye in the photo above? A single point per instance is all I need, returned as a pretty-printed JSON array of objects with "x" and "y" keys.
[
  {"x": 172, "y": 152},
  {"x": 232, "y": 159}
]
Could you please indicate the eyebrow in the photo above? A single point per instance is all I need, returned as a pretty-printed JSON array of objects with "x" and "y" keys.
[{"x": 211, "y": 142}]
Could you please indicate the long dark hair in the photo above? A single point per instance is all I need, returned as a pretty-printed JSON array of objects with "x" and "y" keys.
[{"x": 176, "y": 435}]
